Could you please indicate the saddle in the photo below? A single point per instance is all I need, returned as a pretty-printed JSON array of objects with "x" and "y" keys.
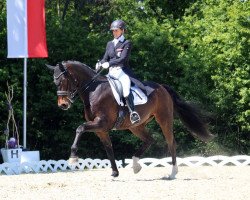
[{"x": 116, "y": 86}]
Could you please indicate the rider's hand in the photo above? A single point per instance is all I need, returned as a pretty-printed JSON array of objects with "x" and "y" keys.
[
  {"x": 98, "y": 66},
  {"x": 105, "y": 65}
]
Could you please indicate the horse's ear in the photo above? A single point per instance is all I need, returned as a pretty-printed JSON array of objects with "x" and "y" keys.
[
  {"x": 61, "y": 67},
  {"x": 50, "y": 67}
]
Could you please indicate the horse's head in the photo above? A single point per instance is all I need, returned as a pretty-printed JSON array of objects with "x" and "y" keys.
[
  {"x": 67, "y": 84},
  {"x": 71, "y": 78}
]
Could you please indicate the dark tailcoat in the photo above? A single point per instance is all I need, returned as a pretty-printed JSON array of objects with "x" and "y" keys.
[{"x": 119, "y": 56}]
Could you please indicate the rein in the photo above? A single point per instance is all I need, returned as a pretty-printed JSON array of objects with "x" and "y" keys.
[
  {"x": 73, "y": 95},
  {"x": 87, "y": 85}
]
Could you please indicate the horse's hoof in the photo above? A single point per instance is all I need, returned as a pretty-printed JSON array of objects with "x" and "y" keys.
[
  {"x": 168, "y": 178},
  {"x": 115, "y": 174},
  {"x": 73, "y": 160},
  {"x": 137, "y": 168}
]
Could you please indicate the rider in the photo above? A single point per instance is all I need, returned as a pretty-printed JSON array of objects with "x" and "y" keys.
[{"x": 116, "y": 58}]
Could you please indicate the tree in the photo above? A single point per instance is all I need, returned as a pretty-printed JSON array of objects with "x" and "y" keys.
[
  {"x": 200, "y": 48},
  {"x": 214, "y": 42}
]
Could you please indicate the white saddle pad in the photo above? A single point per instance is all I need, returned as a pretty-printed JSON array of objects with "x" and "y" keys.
[{"x": 139, "y": 97}]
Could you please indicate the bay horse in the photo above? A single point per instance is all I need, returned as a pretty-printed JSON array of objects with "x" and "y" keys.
[{"x": 75, "y": 79}]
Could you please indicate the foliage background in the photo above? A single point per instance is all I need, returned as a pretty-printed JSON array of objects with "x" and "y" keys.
[{"x": 200, "y": 48}]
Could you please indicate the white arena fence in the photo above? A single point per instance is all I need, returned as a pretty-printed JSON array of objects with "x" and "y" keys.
[{"x": 83, "y": 164}]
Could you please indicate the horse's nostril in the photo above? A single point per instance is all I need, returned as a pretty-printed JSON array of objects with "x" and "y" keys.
[{"x": 63, "y": 106}]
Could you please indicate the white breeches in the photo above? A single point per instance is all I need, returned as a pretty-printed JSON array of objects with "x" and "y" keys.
[{"x": 119, "y": 74}]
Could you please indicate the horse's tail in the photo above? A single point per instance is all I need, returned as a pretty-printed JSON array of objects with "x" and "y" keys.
[{"x": 190, "y": 116}]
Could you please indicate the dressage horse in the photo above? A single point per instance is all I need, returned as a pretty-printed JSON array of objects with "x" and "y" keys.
[{"x": 74, "y": 79}]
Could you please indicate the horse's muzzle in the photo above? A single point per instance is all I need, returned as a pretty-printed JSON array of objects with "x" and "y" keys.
[{"x": 63, "y": 103}]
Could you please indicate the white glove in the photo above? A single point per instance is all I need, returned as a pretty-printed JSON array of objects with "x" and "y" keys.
[
  {"x": 98, "y": 66},
  {"x": 105, "y": 65}
]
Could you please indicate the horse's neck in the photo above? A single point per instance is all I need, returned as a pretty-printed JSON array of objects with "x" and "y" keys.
[
  {"x": 93, "y": 83},
  {"x": 84, "y": 73},
  {"x": 98, "y": 88}
]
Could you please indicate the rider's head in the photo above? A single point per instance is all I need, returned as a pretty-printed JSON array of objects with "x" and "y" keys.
[{"x": 118, "y": 27}]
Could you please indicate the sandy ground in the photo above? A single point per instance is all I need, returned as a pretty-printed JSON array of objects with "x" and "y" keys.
[{"x": 203, "y": 183}]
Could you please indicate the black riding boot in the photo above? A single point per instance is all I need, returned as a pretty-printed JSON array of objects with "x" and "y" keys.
[{"x": 134, "y": 116}]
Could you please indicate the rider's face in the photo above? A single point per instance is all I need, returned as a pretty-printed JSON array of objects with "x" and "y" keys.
[{"x": 117, "y": 33}]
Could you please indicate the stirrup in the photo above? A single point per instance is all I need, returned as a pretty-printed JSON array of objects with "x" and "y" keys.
[{"x": 134, "y": 117}]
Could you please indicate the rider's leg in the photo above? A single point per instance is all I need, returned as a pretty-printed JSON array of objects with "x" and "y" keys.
[
  {"x": 134, "y": 116},
  {"x": 118, "y": 73},
  {"x": 126, "y": 83}
]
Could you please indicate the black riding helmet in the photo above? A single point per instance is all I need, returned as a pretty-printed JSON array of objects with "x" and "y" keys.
[{"x": 118, "y": 24}]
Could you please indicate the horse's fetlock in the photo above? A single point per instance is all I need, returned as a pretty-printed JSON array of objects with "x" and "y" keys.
[{"x": 73, "y": 150}]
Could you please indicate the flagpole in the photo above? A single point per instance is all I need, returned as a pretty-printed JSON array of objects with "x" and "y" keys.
[
  {"x": 26, "y": 31},
  {"x": 24, "y": 102}
]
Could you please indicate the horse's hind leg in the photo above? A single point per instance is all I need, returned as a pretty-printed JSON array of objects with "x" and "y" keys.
[
  {"x": 142, "y": 133},
  {"x": 165, "y": 120}
]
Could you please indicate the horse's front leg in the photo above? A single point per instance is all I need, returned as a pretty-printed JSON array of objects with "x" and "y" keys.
[
  {"x": 98, "y": 126},
  {"x": 90, "y": 126},
  {"x": 105, "y": 139},
  {"x": 73, "y": 156}
]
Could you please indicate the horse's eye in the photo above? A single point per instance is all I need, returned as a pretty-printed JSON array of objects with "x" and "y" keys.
[{"x": 57, "y": 82}]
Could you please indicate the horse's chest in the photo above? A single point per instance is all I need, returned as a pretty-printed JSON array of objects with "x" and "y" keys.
[{"x": 98, "y": 99}]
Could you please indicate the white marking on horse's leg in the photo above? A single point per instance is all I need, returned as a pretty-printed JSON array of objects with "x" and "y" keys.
[
  {"x": 73, "y": 161},
  {"x": 174, "y": 171},
  {"x": 136, "y": 165}
]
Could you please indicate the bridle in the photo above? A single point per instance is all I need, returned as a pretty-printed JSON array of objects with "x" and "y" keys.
[{"x": 72, "y": 95}]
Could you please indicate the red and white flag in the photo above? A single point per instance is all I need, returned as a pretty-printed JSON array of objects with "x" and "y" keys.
[{"x": 26, "y": 29}]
